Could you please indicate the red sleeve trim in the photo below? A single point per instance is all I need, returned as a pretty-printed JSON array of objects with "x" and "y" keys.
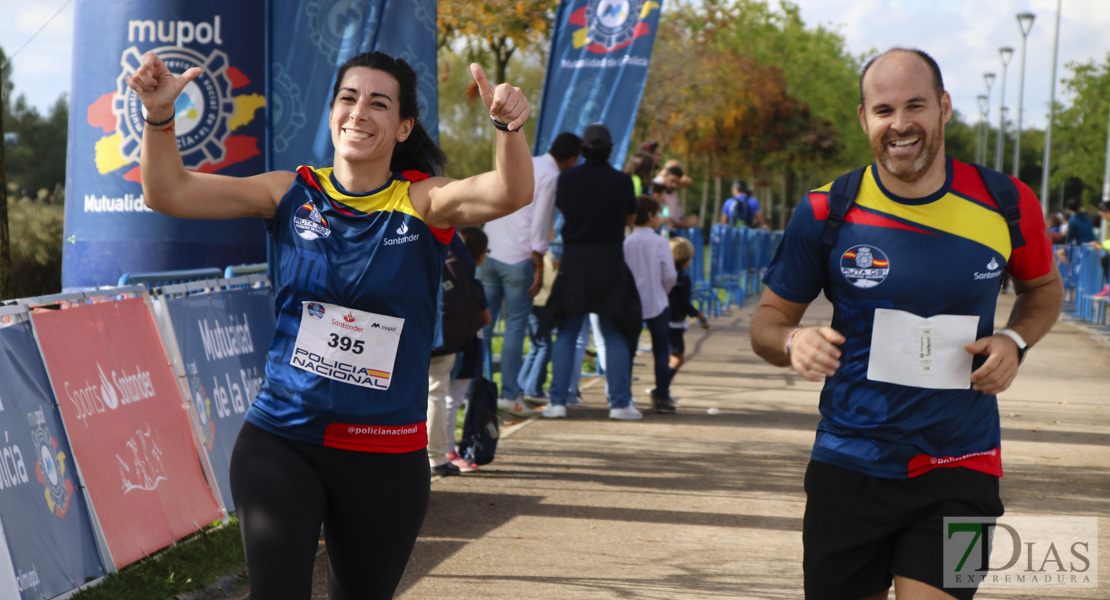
[
  {"x": 307, "y": 174},
  {"x": 1034, "y": 259},
  {"x": 414, "y": 175},
  {"x": 443, "y": 235}
]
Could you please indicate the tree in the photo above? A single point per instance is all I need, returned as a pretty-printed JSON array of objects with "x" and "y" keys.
[
  {"x": 5, "y": 247},
  {"x": 1080, "y": 130},
  {"x": 497, "y": 27}
]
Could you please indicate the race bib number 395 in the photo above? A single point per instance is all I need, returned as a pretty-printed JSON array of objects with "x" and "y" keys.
[{"x": 347, "y": 345}]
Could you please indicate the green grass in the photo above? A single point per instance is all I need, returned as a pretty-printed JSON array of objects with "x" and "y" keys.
[{"x": 187, "y": 566}]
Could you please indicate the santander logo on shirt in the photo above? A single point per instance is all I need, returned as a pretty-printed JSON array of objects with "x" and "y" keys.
[{"x": 402, "y": 237}]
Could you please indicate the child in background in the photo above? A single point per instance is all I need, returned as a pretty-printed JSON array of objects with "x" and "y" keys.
[
  {"x": 649, "y": 258},
  {"x": 470, "y": 359},
  {"x": 680, "y": 305}
]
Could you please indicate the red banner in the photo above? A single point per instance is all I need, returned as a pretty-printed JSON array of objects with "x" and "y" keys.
[{"x": 126, "y": 422}]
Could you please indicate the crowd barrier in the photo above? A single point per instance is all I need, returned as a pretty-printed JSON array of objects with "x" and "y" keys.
[
  {"x": 1083, "y": 278},
  {"x": 119, "y": 409},
  {"x": 737, "y": 259}
]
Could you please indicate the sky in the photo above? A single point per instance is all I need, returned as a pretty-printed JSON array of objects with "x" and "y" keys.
[{"x": 962, "y": 35}]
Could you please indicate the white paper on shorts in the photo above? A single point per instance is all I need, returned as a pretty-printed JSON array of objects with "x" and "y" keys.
[{"x": 921, "y": 352}]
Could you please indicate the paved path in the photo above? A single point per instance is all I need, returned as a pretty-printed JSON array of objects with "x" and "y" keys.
[{"x": 708, "y": 503}]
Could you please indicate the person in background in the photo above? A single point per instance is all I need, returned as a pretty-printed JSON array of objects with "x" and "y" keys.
[
  {"x": 359, "y": 243},
  {"x": 597, "y": 204},
  {"x": 514, "y": 271},
  {"x": 649, "y": 258},
  {"x": 640, "y": 166},
  {"x": 680, "y": 308},
  {"x": 670, "y": 180},
  {"x": 468, "y": 362}
]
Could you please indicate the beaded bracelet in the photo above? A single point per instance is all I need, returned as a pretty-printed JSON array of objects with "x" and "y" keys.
[
  {"x": 163, "y": 123},
  {"x": 501, "y": 126}
]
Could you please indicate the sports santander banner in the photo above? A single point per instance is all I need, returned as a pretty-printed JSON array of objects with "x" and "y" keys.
[
  {"x": 222, "y": 338},
  {"x": 220, "y": 128},
  {"x": 600, "y": 53},
  {"x": 46, "y": 522},
  {"x": 127, "y": 424},
  {"x": 309, "y": 40}
]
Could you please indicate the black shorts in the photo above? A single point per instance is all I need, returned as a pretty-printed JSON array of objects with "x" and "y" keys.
[
  {"x": 859, "y": 531},
  {"x": 678, "y": 342}
]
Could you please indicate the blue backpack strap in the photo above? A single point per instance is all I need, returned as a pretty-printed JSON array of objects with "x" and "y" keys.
[
  {"x": 840, "y": 199},
  {"x": 1005, "y": 195}
]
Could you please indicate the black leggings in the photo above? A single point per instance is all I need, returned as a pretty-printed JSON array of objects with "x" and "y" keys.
[{"x": 371, "y": 506}]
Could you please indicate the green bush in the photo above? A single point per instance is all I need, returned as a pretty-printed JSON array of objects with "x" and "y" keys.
[{"x": 35, "y": 230}]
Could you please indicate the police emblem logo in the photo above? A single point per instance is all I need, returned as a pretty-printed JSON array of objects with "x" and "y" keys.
[
  {"x": 613, "y": 22},
  {"x": 202, "y": 111},
  {"x": 203, "y": 406},
  {"x": 310, "y": 223},
  {"x": 864, "y": 266},
  {"x": 50, "y": 470}
]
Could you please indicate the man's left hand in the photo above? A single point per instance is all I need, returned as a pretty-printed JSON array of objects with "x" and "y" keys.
[{"x": 1001, "y": 366}]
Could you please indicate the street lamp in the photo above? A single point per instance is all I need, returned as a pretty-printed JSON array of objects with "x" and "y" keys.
[
  {"x": 989, "y": 79},
  {"x": 980, "y": 145},
  {"x": 1025, "y": 21},
  {"x": 1051, "y": 114},
  {"x": 1005, "y": 52}
]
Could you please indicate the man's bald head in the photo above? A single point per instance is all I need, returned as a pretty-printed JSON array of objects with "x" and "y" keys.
[{"x": 934, "y": 68}]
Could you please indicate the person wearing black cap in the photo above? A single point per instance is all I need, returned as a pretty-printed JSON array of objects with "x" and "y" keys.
[{"x": 597, "y": 203}]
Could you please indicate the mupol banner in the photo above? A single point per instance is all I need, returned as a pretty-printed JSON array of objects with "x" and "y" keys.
[
  {"x": 220, "y": 128},
  {"x": 600, "y": 53}
]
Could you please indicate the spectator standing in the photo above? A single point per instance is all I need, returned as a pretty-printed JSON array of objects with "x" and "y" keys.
[
  {"x": 640, "y": 166},
  {"x": 649, "y": 258},
  {"x": 905, "y": 439},
  {"x": 680, "y": 306},
  {"x": 533, "y": 373},
  {"x": 468, "y": 361},
  {"x": 1080, "y": 228},
  {"x": 597, "y": 204},
  {"x": 513, "y": 273},
  {"x": 742, "y": 208},
  {"x": 462, "y": 314},
  {"x": 669, "y": 181}
]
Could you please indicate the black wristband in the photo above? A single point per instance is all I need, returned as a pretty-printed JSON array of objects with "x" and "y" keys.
[
  {"x": 501, "y": 126},
  {"x": 166, "y": 122}
]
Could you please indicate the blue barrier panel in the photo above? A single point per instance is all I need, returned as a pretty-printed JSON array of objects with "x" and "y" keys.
[
  {"x": 222, "y": 337},
  {"x": 45, "y": 515},
  {"x": 161, "y": 278}
]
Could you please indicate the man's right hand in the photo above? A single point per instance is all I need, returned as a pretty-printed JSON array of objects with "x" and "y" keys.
[{"x": 814, "y": 352}]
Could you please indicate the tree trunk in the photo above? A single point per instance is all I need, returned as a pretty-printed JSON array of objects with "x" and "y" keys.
[
  {"x": 716, "y": 214},
  {"x": 705, "y": 191},
  {"x": 5, "y": 246}
]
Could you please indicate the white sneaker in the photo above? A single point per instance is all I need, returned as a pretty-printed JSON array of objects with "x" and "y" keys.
[
  {"x": 628, "y": 413},
  {"x": 515, "y": 407},
  {"x": 554, "y": 411}
]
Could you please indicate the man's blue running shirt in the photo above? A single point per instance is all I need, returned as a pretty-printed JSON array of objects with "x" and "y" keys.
[{"x": 942, "y": 254}]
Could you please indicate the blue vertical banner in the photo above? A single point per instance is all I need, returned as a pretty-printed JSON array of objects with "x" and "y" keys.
[
  {"x": 222, "y": 338},
  {"x": 310, "y": 39},
  {"x": 46, "y": 520},
  {"x": 220, "y": 128},
  {"x": 600, "y": 53}
]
